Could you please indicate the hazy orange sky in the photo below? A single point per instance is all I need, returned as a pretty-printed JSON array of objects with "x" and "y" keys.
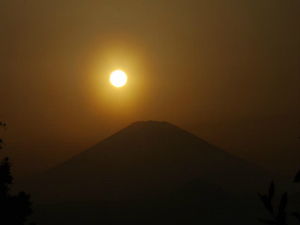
[{"x": 228, "y": 71}]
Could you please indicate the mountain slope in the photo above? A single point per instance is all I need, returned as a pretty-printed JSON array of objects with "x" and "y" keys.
[{"x": 144, "y": 160}]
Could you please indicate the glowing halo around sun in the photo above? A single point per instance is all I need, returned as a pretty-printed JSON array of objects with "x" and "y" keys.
[{"x": 118, "y": 78}]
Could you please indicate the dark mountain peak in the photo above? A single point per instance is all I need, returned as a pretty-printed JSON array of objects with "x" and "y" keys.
[
  {"x": 150, "y": 124},
  {"x": 151, "y": 131},
  {"x": 146, "y": 158}
]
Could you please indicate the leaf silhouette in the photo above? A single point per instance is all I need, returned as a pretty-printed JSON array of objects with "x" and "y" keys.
[
  {"x": 297, "y": 215},
  {"x": 266, "y": 202},
  {"x": 281, "y": 218},
  {"x": 297, "y": 178},
  {"x": 283, "y": 203},
  {"x": 271, "y": 191},
  {"x": 267, "y": 221}
]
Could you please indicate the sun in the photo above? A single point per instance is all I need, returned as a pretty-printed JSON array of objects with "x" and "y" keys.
[{"x": 118, "y": 78}]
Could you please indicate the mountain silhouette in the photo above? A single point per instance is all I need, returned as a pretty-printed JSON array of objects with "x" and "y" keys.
[{"x": 146, "y": 160}]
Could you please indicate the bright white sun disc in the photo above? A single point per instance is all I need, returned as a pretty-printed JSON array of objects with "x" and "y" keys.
[{"x": 118, "y": 78}]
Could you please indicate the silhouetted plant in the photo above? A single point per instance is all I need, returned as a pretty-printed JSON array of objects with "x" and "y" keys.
[
  {"x": 297, "y": 180},
  {"x": 14, "y": 209},
  {"x": 2, "y": 125},
  {"x": 297, "y": 177},
  {"x": 281, "y": 218}
]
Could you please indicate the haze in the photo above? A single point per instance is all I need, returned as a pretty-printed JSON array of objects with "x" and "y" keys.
[{"x": 228, "y": 71}]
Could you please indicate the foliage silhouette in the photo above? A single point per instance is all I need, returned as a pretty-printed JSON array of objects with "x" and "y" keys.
[
  {"x": 2, "y": 125},
  {"x": 14, "y": 209},
  {"x": 297, "y": 178},
  {"x": 280, "y": 219}
]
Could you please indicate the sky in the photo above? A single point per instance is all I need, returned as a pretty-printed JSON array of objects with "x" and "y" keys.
[{"x": 227, "y": 71}]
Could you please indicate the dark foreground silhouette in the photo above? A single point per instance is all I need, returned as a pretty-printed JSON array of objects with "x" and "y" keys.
[
  {"x": 187, "y": 206},
  {"x": 279, "y": 218},
  {"x": 14, "y": 209},
  {"x": 152, "y": 173}
]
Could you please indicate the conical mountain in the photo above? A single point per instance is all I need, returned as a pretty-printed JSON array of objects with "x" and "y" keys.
[{"x": 144, "y": 160}]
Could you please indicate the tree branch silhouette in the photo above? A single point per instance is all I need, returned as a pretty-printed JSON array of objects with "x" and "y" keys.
[{"x": 14, "y": 209}]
